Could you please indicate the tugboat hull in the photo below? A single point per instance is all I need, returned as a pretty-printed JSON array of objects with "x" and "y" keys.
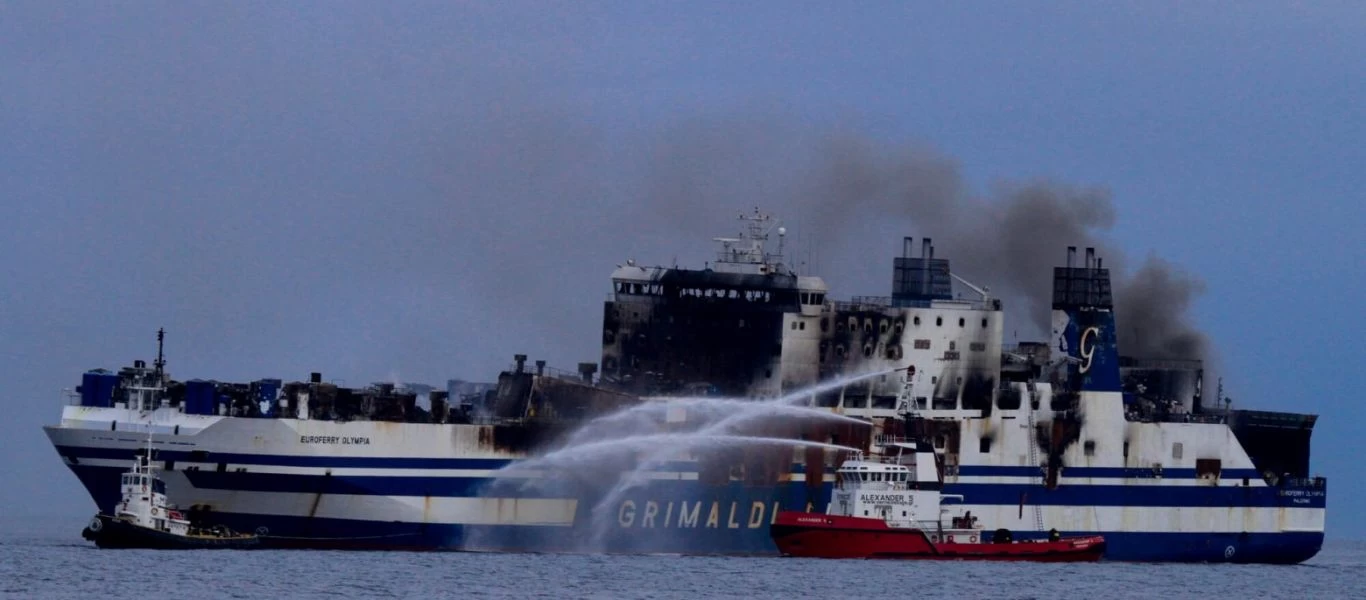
[
  {"x": 828, "y": 536},
  {"x": 110, "y": 532}
]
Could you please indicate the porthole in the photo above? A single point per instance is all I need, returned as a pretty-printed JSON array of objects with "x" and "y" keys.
[
  {"x": 962, "y": 322},
  {"x": 939, "y": 321},
  {"x": 917, "y": 321},
  {"x": 984, "y": 323}
]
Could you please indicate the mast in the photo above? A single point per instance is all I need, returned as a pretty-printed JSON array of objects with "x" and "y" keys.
[{"x": 160, "y": 364}]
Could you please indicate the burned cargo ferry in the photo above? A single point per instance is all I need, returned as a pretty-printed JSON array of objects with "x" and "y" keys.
[{"x": 1064, "y": 435}]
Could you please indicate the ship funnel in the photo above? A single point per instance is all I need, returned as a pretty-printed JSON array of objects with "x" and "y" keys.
[
  {"x": 520, "y": 359},
  {"x": 1090, "y": 258},
  {"x": 540, "y": 367},
  {"x": 1071, "y": 255}
]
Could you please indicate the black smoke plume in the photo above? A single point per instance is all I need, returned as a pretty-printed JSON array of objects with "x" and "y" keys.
[{"x": 853, "y": 198}]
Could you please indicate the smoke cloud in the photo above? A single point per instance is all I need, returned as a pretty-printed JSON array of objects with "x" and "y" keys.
[{"x": 854, "y": 197}]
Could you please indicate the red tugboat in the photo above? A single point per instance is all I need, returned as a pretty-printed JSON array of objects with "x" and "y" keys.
[{"x": 890, "y": 507}]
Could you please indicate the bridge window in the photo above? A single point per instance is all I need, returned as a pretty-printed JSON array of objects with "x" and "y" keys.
[{"x": 1177, "y": 449}]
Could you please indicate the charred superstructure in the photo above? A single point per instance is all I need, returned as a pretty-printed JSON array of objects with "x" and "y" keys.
[
  {"x": 719, "y": 330},
  {"x": 1064, "y": 434}
]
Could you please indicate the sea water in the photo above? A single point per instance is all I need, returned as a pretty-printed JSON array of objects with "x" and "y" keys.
[{"x": 46, "y": 558}]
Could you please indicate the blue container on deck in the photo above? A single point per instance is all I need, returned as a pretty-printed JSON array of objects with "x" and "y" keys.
[
  {"x": 199, "y": 397},
  {"x": 266, "y": 396},
  {"x": 97, "y": 388}
]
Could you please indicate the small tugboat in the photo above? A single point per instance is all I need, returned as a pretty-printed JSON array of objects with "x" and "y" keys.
[
  {"x": 143, "y": 518},
  {"x": 890, "y": 507}
]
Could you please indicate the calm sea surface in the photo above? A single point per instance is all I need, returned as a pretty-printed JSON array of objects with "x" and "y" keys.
[{"x": 46, "y": 558}]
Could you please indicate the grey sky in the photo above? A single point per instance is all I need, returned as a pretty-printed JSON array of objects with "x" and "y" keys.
[{"x": 420, "y": 190}]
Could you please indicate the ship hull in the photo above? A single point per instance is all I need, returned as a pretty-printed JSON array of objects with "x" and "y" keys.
[
  {"x": 109, "y": 532},
  {"x": 808, "y": 535},
  {"x": 372, "y": 499}
]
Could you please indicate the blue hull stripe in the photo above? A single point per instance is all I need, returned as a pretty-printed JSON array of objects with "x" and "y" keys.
[
  {"x": 498, "y": 463},
  {"x": 1102, "y": 472},
  {"x": 279, "y": 460},
  {"x": 974, "y": 493}
]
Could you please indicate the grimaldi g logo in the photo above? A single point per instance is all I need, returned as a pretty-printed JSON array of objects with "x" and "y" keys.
[{"x": 1088, "y": 347}]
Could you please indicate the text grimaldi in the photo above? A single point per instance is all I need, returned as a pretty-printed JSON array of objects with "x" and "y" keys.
[{"x": 715, "y": 514}]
